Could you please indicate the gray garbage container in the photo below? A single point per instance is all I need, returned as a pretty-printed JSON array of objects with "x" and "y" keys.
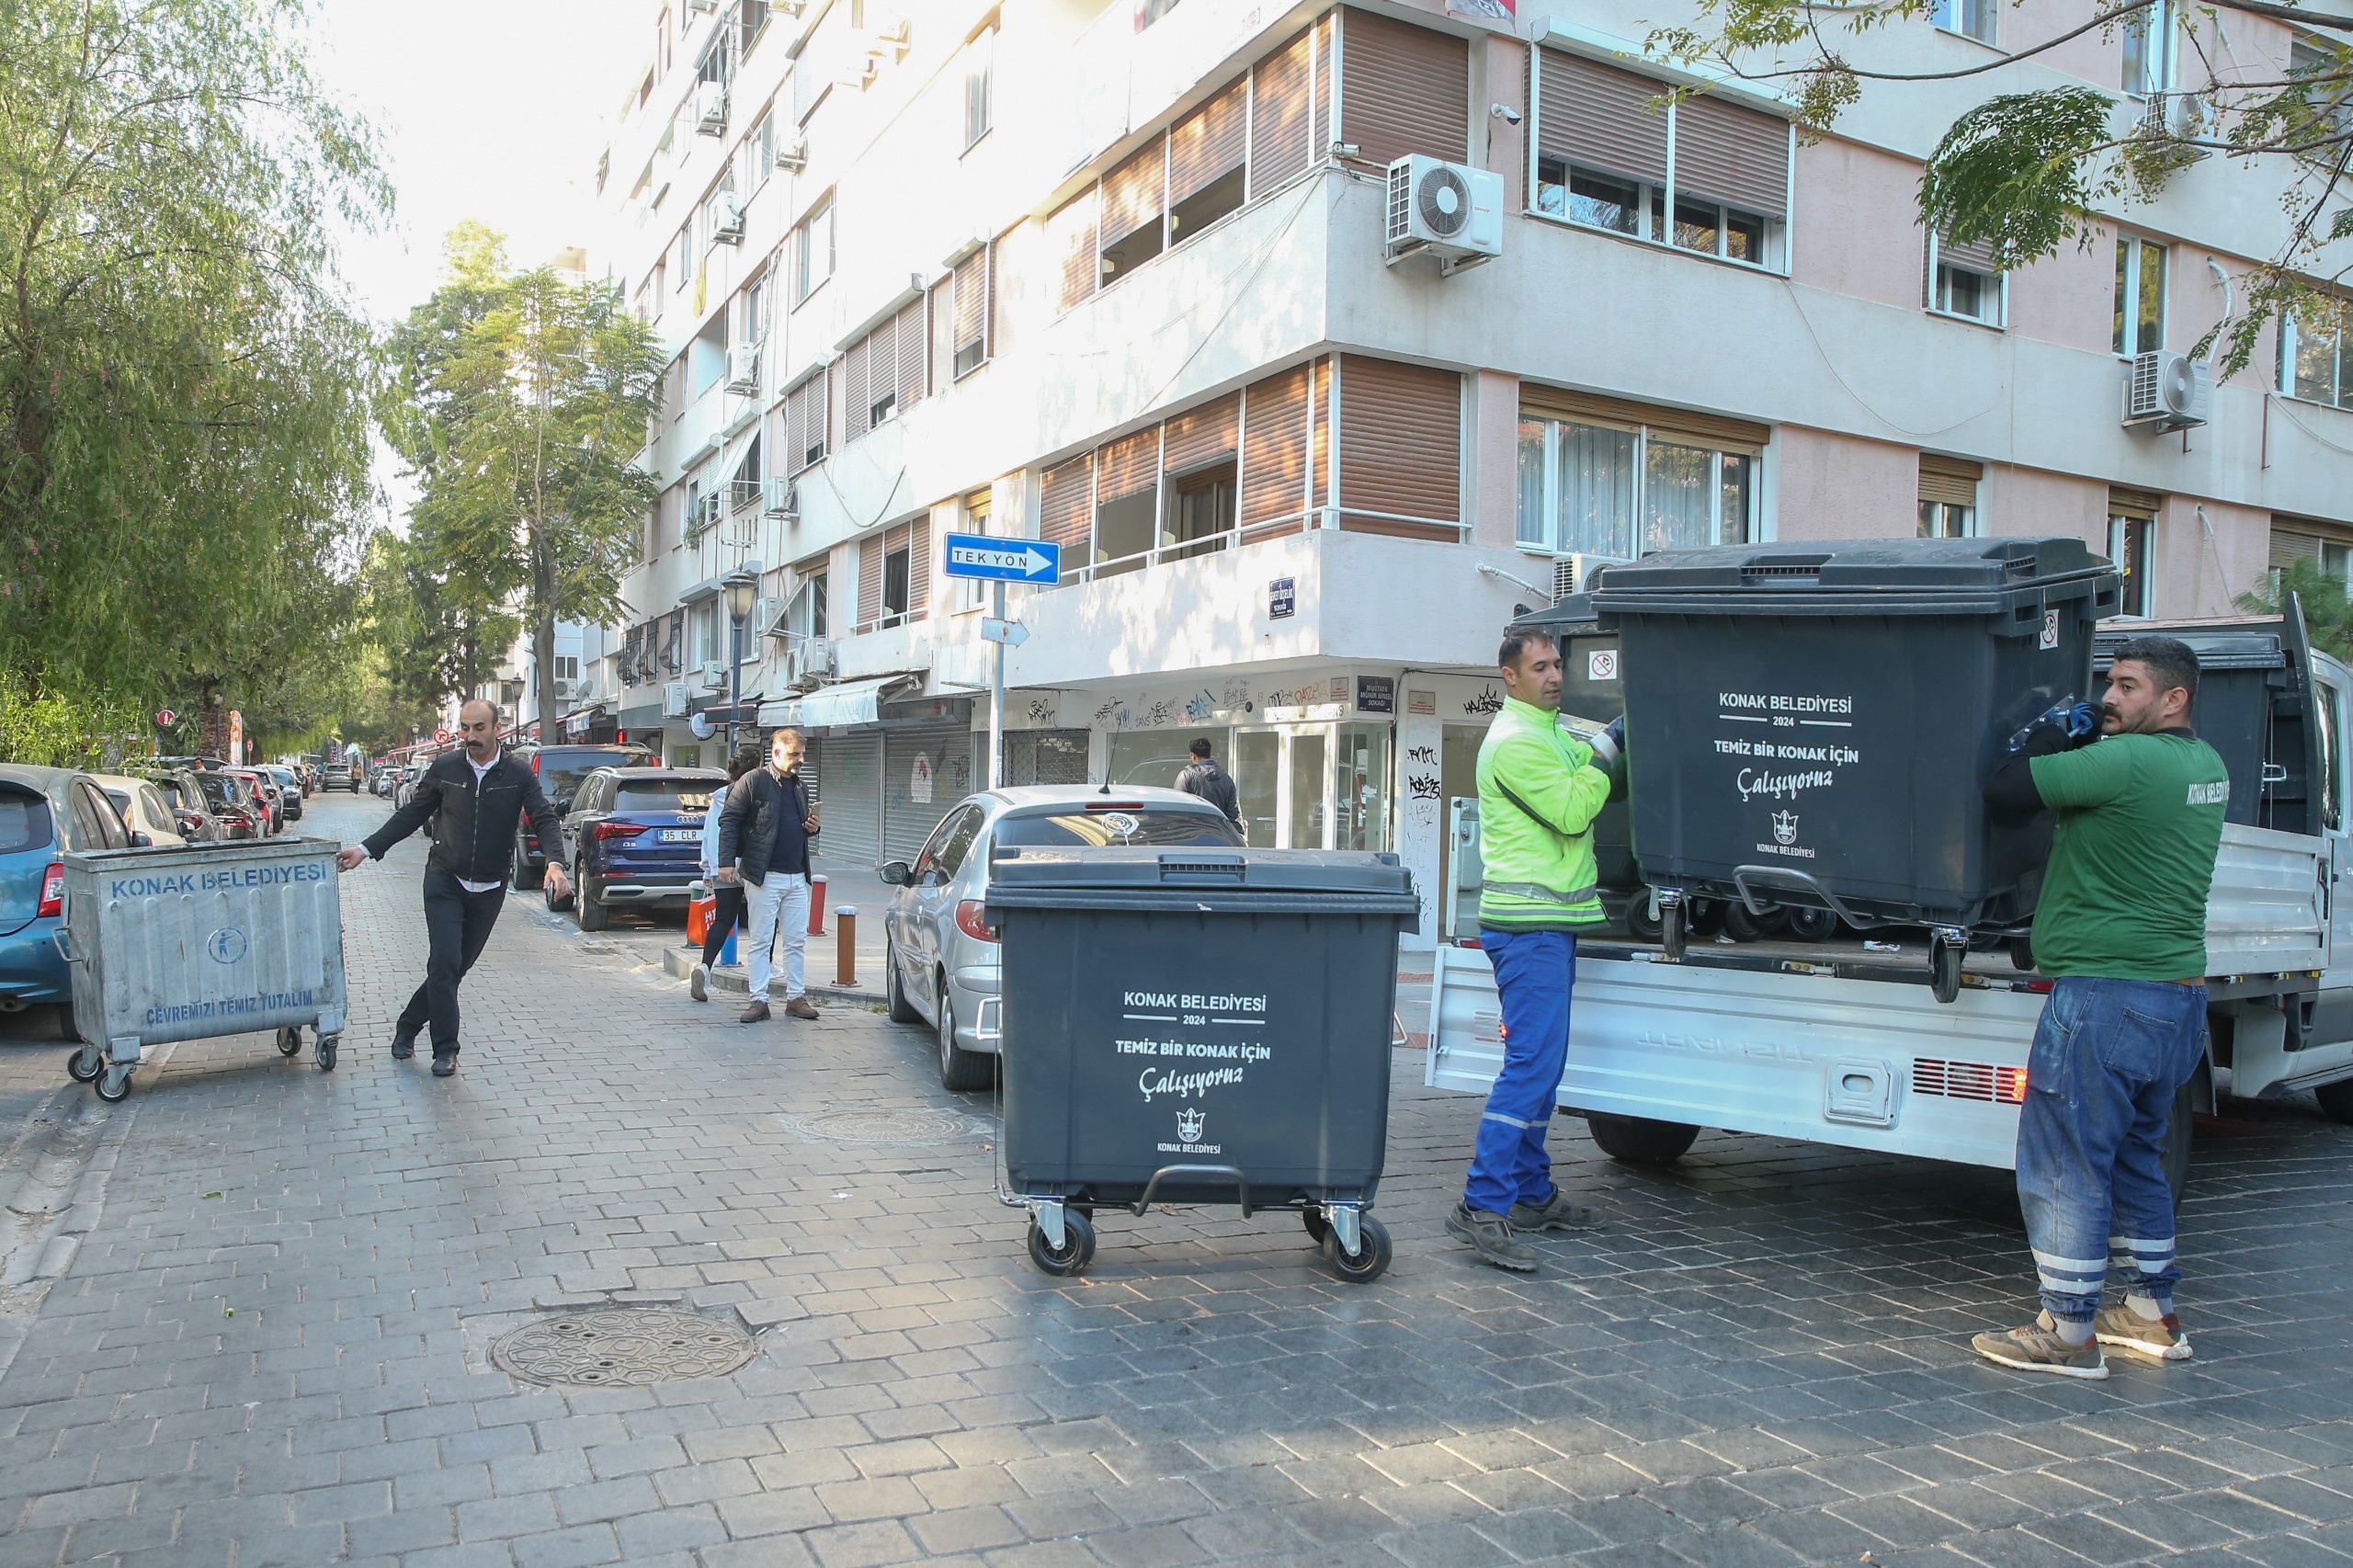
[
  {"x": 1198, "y": 1026},
  {"x": 210, "y": 939}
]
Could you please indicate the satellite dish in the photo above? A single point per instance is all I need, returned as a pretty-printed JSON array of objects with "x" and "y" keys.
[{"x": 700, "y": 725}]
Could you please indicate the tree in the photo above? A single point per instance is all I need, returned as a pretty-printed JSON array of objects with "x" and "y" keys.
[
  {"x": 184, "y": 391},
  {"x": 2025, "y": 173},
  {"x": 438, "y": 633},
  {"x": 522, "y": 402},
  {"x": 2328, "y": 612}
]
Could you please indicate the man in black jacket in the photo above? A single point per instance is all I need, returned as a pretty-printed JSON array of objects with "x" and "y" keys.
[
  {"x": 472, "y": 797},
  {"x": 1211, "y": 783},
  {"x": 764, "y": 836}
]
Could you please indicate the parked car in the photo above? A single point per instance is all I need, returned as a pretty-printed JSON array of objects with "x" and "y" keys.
[
  {"x": 404, "y": 784},
  {"x": 381, "y": 781},
  {"x": 289, "y": 792},
  {"x": 265, "y": 791},
  {"x": 560, "y": 770},
  {"x": 183, "y": 791},
  {"x": 633, "y": 837},
  {"x": 939, "y": 957},
  {"x": 236, "y": 810},
  {"x": 338, "y": 776},
  {"x": 142, "y": 808},
  {"x": 44, "y": 813}
]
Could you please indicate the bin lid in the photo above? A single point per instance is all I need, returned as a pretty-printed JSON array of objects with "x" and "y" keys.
[
  {"x": 1140, "y": 876},
  {"x": 1823, "y": 576},
  {"x": 1572, "y": 617}
]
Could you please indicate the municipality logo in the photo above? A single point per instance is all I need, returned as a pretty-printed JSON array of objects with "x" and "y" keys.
[
  {"x": 1189, "y": 1126},
  {"x": 228, "y": 945},
  {"x": 1785, "y": 827}
]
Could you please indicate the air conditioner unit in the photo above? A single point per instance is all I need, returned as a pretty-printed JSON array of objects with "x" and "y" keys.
[
  {"x": 820, "y": 658},
  {"x": 744, "y": 369},
  {"x": 674, "y": 700},
  {"x": 565, "y": 689},
  {"x": 766, "y": 612},
  {"x": 1449, "y": 211},
  {"x": 860, "y": 72},
  {"x": 714, "y": 672},
  {"x": 2170, "y": 391},
  {"x": 793, "y": 156},
  {"x": 2178, "y": 114},
  {"x": 710, "y": 110},
  {"x": 1575, "y": 574},
  {"x": 729, "y": 229},
  {"x": 888, "y": 42},
  {"x": 783, "y": 500},
  {"x": 705, "y": 5}
]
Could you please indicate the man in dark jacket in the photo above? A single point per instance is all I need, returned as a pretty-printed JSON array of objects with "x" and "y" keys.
[
  {"x": 472, "y": 797},
  {"x": 764, "y": 838},
  {"x": 1211, "y": 783}
]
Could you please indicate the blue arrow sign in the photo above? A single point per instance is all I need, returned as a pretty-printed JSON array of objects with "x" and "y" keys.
[{"x": 1003, "y": 560}]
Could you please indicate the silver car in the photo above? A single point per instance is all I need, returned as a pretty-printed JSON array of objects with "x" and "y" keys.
[{"x": 939, "y": 957}]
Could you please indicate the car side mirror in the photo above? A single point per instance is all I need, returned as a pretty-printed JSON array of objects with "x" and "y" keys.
[
  {"x": 898, "y": 873},
  {"x": 142, "y": 841}
]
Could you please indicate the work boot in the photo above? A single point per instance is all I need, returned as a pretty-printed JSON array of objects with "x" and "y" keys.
[
  {"x": 2037, "y": 1347},
  {"x": 403, "y": 1047},
  {"x": 2161, "y": 1337},
  {"x": 1555, "y": 1213},
  {"x": 799, "y": 1007},
  {"x": 1490, "y": 1236},
  {"x": 756, "y": 1013},
  {"x": 698, "y": 983},
  {"x": 445, "y": 1063}
]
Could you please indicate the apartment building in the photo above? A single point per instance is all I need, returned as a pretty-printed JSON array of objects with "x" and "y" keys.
[{"x": 1118, "y": 276}]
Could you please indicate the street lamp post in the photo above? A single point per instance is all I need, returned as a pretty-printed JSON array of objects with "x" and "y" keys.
[{"x": 741, "y": 587}]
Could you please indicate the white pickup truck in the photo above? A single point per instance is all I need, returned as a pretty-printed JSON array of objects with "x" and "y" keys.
[{"x": 1833, "y": 1043}]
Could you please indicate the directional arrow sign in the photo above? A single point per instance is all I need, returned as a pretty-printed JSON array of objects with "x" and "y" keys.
[
  {"x": 1012, "y": 633},
  {"x": 1003, "y": 560}
]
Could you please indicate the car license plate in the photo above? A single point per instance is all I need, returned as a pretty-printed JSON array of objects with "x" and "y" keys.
[{"x": 680, "y": 835}]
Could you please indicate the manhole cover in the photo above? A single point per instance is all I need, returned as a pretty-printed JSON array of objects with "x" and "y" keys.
[
  {"x": 899, "y": 1127},
  {"x": 617, "y": 1346}
]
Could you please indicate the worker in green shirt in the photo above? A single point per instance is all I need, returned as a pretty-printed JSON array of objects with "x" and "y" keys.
[{"x": 2121, "y": 930}]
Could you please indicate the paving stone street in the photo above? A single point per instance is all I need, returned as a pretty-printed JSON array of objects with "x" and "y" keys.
[{"x": 271, "y": 1343}]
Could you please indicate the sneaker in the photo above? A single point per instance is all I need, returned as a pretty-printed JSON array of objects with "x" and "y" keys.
[
  {"x": 756, "y": 1013},
  {"x": 445, "y": 1065},
  {"x": 1490, "y": 1236},
  {"x": 1555, "y": 1213},
  {"x": 2121, "y": 1325},
  {"x": 698, "y": 983},
  {"x": 2037, "y": 1347},
  {"x": 799, "y": 1007},
  {"x": 403, "y": 1047}
]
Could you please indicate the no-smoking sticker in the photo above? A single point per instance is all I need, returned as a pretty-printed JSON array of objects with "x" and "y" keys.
[
  {"x": 1602, "y": 664},
  {"x": 2049, "y": 629}
]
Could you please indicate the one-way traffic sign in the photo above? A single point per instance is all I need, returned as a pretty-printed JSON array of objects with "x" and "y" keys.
[{"x": 1003, "y": 560}]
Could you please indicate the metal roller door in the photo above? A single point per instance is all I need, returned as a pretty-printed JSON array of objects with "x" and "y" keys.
[
  {"x": 926, "y": 769},
  {"x": 850, "y": 784}
]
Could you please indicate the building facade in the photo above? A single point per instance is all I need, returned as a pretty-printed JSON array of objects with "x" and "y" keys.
[{"x": 1117, "y": 276}]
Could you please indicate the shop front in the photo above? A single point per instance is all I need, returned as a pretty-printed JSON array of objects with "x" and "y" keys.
[{"x": 887, "y": 764}]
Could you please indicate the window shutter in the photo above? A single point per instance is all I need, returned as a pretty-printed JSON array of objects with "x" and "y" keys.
[
  {"x": 1070, "y": 240},
  {"x": 1319, "y": 422},
  {"x": 2123, "y": 502},
  {"x": 1133, "y": 195},
  {"x": 911, "y": 347},
  {"x": 1274, "y": 455},
  {"x": 1977, "y": 255},
  {"x": 870, "y": 579},
  {"x": 1594, "y": 114},
  {"x": 1952, "y": 482},
  {"x": 1209, "y": 143},
  {"x": 1403, "y": 89},
  {"x": 1714, "y": 430},
  {"x": 942, "y": 303},
  {"x": 829, "y": 405},
  {"x": 1126, "y": 467},
  {"x": 856, "y": 403},
  {"x": 2299, "y": 539},
  {"x": 971, "y": 293},
  {"x": 1202, "y": 435},
  {"x": 1735, "y": 155},
  {"x": 920, "y": 564},
  {"x": 1320, "y": 77},
  {"x": 1278, "y": 116},
  {"x": 1400, "y": 448},
  {"x": 1067, "y": 504}
]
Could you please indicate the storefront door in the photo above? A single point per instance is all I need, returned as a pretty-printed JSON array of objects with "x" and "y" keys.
[{"x": 1316, "y": 786}]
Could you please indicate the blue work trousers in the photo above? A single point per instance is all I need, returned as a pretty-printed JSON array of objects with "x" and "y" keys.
[
  {"x": 1534, "y": 972},
  {"x": 2108, "y": 1057}
]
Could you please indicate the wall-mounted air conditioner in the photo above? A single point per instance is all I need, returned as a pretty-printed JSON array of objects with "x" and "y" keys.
[
  {"x": 710, "y": 109},
  {"x": 2170, "y": 391},
  {"x": 767, "y": 611},
  {"x": 674, "y": 700},
  {"x": 565, "y": 689},
  {"x": 729, "y": 229},
  {"x": 714, "y": 672},
  {"x": 1575, "y": 574},
  {"x": 783, "y": 500},
  {"x": 744, "y": 369},
  {"x": 793, "y": 157},
  {"x": 707, "y": 6},
  {"x": 1449, "y": 211}
]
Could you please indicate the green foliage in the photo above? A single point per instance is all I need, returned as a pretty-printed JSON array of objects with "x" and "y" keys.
[
  {"x": 43, "y": 728},
  {"x": 2328, "y": 611},
  {"x": 2014, "y": 173}
]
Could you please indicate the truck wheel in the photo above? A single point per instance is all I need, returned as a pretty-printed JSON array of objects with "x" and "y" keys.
[
  {"x": 1639, "y": 1140},
  {"x": 2336, "y": 1100},
  {"x": 1077, "y": 1249},
  {"x": 2177, "y": 1150},
  {"x": 1364, "y": 1266},
  {"x": 1813, "y": 924},
  {"x": 2021, "y": 953}
]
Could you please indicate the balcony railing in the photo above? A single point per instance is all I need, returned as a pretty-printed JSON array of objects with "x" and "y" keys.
[{"x": 1348, "y": 520}]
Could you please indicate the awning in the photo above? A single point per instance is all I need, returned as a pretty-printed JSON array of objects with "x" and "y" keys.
[{"x": 847, "y": 702}]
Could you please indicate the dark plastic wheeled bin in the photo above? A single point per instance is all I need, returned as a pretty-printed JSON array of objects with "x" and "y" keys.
[
  {"x": 1198, "y": 1026},
  {"x": 1811, "y": 723}
]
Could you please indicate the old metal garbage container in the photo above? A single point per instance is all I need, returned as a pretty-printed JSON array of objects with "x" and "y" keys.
[
  {"x": 1198, "y": 1026},
  {"x": 1812, "y": 723},
  {"x": 212, "y": 939}
]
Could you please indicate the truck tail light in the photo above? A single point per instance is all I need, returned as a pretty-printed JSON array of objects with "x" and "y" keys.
[
  {"x": 972, "y": 920},
  {"x": 619, "y": 829},
  {"x": 52, "y": 891}
]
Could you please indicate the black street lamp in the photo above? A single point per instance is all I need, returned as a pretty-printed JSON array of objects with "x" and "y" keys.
[{"x": 741, "y": 588}]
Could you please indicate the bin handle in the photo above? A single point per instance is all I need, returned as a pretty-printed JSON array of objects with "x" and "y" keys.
[
  {"x": 1230, "y": 1173},
  {"x": 1789, "y": 876}
]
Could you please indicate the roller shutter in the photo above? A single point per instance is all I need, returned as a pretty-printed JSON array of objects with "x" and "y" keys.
[
  {"x": 1401, "y": 448},
  {"x": 1126, "y": 467},
  {"x": 1066, "y": 506},
  {"x": 858, "y": 383},
  {"x": 1280, "y": 132},
  {"x": 1950, "y": 482},
  {"x": 869, "y": 581},
  {"x": 1595, "y": 115},
  {"x": 942, "y": 755},
  {"x": 1070, "y": 243},
  {"x": 1735, "y": 155},
  {"x": 849, "y": 781},
  {"x": 1209, "y": 143},
  {"x": 1404, "y": 89},
  {"x": 968, "y": 340},
  {"x": 1202, "y": 435},
  {"x": 1673, "y": 424},
  {"x": 1274, "y": 455},
  {"x": 911, "y": 337}
]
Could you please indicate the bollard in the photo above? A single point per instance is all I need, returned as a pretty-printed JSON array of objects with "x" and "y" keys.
[
  {"x": 817, "y": 905},
  {"x": 846, "y": 944}
]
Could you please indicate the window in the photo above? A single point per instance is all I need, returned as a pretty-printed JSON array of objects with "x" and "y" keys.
[
  {"x": 759, "y": 152},
  {"x": 897, "y": 581},
  {"x": 752, "y": 323},
  {"x": 751, "y": 21},
  {"x": 2314, "y": 363},
  {"x": 2131, "y": 545},
  {"x": 813, "y": 250},
  {"x": 702, "y": 633},
  {"x": 1970, "y": 18},
  {"x": 884, "y": 372},
  {"x": 805, "y": 423},
  {"x": 980, "y": 69},
  {"x": 2326, "y": 100},
  {"x": 1200, "y": 512},
  {"x": 567, "y": 666},
  {"x": 682, "y": 258},
  {"x": 1151, "y": 11},
  {"x": 1948, "y": 497},
  {"x": 1208, "y": 155},
  {"x": 2149, "y": 49},
  {"x": 894, "y": 574},
  {"x": 2327, "y": 546},
  {"x": 979, "y": 507},
  {"x": 972, "y": 284},
  {"x": 1135, "y": 202},
  {"x": 1605, "y": 157},
  {"x": 2140, "y": 296},
  {"x": 1961, "y": 282},
  {"x": 1623, "y": 490}
]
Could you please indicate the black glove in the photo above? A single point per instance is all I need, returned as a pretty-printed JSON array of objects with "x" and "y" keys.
[{"x": 1608, "y": 744}]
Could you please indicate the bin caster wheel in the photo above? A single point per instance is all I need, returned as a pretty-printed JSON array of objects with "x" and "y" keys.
[
  {"x": 85, "y": 1064},
  {"x": 1370, "y": 1261},
  {"x": 114, "y": 1083},
  {"x": 1077, "y": 1249},
  {"x": 325, "y": 1053},
  {"x": 1318, "y": 1225},
  {"x": 1743, "y": 926},
  {"x": 1944, "y": 970},
  {"x": 290, "y": 1040},
  {"x": 1673, "y": 926},
  {"x": 1813, "y": 924}
]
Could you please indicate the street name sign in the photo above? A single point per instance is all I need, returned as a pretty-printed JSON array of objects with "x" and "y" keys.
[{"x": 1003, "y": 560}]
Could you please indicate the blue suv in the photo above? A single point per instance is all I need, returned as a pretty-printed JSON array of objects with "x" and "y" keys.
[
  {"x": 44, "y": 813},
  {"x": 633, "y": 838}
]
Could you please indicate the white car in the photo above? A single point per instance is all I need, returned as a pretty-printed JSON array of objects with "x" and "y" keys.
[{"x": 143, "y": 808}]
